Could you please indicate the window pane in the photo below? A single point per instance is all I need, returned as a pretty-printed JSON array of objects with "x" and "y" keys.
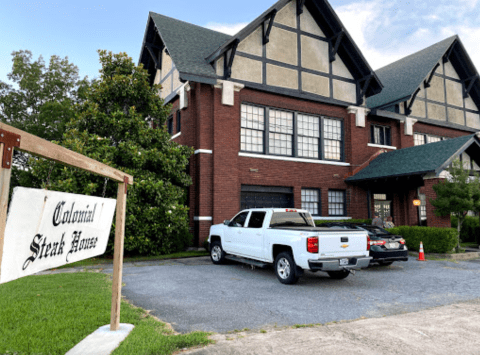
[
  {"x": 252, "y": 131},
  {"x": 433, "y": 139},
  {"x": 310, "y": 201},
  {"x": 308, "y": 136},
  {"x": 336, "y": 203},
  {"x": 332, "y": 133},
  {"x": 281, "y": 132},
  {"x": 418, "y": 139},
  {"x": 256, "y": 220}
]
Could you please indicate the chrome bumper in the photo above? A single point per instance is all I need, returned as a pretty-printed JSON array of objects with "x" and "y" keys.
[{"x": 334, "y": 264}]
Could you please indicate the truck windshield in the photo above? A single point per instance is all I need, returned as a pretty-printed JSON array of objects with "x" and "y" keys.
[{"x": 297, "y": 219}]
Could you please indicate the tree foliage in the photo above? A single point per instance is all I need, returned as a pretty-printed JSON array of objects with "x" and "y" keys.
[
  {"x": 457, "y": 194},
  {"x": 113, "y": 126},
  {"x": 40, "y": 100}
]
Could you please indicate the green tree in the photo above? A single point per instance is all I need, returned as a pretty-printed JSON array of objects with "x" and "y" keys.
[
  {"x": 39, "y": 100},
  {"x": 457, "y": 194},
  {"x": 113, "y": 125}
]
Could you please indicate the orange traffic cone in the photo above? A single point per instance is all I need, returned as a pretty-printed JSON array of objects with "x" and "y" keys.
[{"x": 421, "y": 254}]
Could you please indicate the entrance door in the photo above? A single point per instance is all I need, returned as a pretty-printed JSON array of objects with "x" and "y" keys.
[{"x": 383, "y": 208}]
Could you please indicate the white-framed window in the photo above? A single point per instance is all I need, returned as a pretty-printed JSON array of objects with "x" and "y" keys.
[
  {"x": 422, "y": 138},
  {"x": 280, "y": 138},
  {"x": 272, "y": 131},
  {"x": 252, "y": 128},
  {"x": 311, "y": 201},
  {"x": 336, "y": 203},
  {"x": 308, "y": 136}
]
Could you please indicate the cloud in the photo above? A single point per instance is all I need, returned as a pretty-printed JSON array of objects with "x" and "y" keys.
[{"x": 228, "y": 28}]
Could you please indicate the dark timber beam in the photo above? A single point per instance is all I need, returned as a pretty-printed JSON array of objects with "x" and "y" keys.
[
  {"x": 408, "y": 109},
  {"x": 471, "y": 81},
  {"x": 268, "y": 29},
  {"x": 335, "y": 43},
  {"x": 427, "y": 82},
  {"x": 364, "y": 87},
  {"x": 446, "y": 57},
  {"x": 300, "y": 4},
  {"x": 150, "y": 48},
  {"x": 229, "y": 59}
]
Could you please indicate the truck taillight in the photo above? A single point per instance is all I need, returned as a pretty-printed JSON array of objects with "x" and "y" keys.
[
  {"x": 368, "y": 242},
  {"x": 312, "y": 245}
]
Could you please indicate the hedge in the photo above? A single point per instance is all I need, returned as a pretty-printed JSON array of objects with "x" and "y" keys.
[
  {"x": 435, "y": 240},
  {"x": 467, "y": 234},
  {"x": 366, "y": 221}
]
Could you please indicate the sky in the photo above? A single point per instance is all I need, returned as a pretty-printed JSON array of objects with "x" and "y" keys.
[{"x": 384, "y": 30}]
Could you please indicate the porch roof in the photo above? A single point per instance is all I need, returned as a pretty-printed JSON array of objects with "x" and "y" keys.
[{"x": 418, "y": 160}]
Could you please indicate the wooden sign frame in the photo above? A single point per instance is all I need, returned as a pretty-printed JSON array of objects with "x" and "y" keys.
[{"x": 12, "y": 138}]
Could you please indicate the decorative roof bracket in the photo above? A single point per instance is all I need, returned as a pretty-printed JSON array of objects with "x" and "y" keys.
[
  {"x": 408, "y": 108},
  {"x": 426, "y": 83},
  {"x": 446, "y": 57},
  {"x": 335, "y": 43},
  {"x": 268, "y": 29},
  {"x": 471, "y": 81},
  {"x": 229, "y": 59},
  {"x": 300, "y": 4},
  {"x": 363, "y": 90},
  {"x": 150, "y": 47}
]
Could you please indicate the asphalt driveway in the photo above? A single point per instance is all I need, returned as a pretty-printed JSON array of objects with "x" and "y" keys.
[{"x": 193, "y": 294}]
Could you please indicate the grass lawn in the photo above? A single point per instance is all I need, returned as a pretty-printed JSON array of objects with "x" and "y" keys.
[
  {"x": 50, "y": 314},
  {"x": 102, "y": 260}
]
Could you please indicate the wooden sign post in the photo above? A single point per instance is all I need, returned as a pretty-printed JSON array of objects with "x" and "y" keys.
[{"x": 11, "y": 138}]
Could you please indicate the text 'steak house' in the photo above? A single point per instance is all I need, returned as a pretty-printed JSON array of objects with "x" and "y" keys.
[{"x": 288, "y": 113}]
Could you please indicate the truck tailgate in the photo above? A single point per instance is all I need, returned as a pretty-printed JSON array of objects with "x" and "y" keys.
[{"x": 342, "y": 243}]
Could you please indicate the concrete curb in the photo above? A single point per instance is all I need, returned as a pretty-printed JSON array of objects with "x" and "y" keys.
[
  {"x": 462, "y": 256},
  {"x": 103, "y": 341}
]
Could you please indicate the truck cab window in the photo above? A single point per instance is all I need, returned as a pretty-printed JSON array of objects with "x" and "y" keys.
[
  {"x": 256, "y": 220},
  {"x": 239, "y": 220}
]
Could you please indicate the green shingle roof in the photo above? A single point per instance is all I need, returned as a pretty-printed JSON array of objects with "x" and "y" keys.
[
  {"x": 189, "y": 45},
  {"x": 412, "y": 161},
  {"x": 401, "y": 78}
]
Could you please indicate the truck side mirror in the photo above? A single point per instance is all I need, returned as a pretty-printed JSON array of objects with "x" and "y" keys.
[{"x": 226, "y": 222}]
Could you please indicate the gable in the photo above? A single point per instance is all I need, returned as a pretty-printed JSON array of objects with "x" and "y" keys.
[
  {"x": 168, "y": 76},
  {"x": 444, "y": 99},
  {"x": 295, "y": 59}
]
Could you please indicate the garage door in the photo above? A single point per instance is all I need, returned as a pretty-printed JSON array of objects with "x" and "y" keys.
[{"x": 266, "y": 196}]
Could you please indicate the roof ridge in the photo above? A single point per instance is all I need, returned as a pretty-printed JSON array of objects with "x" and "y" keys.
[
  {"x": 418, "y": 52},
  {"x": 188, "y": 23}
]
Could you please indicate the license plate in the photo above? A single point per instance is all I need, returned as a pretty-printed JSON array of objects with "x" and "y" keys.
[
  {"x": 343, "y": 261},
  {"x": 393, "y": 245}
]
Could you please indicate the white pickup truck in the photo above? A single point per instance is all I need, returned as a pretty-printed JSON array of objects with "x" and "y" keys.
[{"x": 289, "y": 239}]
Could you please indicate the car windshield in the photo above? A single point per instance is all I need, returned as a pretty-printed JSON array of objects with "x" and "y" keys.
[{"x": 296, "y": 219}]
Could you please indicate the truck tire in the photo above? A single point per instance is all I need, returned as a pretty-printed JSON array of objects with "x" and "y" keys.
[
  {"x": 285, "y": 268},
  {"x": 338, "y": 275},
  {"x": 217, "y": 255}
]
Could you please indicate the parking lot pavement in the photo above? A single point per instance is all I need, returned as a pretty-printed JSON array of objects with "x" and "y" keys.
[
  {"x": 451, "y": 329},
  {"x": 193, "y": 294}
]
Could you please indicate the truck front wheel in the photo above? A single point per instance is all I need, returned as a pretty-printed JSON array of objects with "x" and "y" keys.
[
  {"x": 216, "y": 253},
  {"x": 285, "y": 268}
]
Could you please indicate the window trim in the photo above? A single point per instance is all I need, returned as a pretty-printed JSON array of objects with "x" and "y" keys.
[
  {"x": 265, "y": 123},
  {"x": 319, "y": 203},
  {"x": 344, "y": 203},
  {"x": 383, "y": 127},
  {"x": 266, "y": 133}
]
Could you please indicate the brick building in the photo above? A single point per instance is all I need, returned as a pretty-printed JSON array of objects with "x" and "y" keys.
[{"x": 288, "y": 113}]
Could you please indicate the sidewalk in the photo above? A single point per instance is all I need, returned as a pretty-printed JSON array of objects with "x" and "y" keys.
[{"x": 452, "y": 329}]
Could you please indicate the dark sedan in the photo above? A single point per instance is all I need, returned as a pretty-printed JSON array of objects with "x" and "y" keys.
[{"x": 385, "y": 247}]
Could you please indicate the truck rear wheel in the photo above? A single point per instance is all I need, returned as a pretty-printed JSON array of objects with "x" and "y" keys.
[
  {"x": 285, "y": 268},
  {"x": 338, "y": 275},
  {"x": 216, "y": 253}
]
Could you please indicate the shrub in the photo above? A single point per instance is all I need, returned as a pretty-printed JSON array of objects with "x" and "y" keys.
[
  {"x": 467, "y": 233},
  {"x": 435, "y": 240},
  {"x": 366, "y": 221}
]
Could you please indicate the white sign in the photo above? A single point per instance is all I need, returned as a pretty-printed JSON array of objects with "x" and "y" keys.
[{"x": 46, "y": 229}]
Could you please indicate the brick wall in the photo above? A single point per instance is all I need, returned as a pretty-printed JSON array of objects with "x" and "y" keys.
[{"x": 432, "y": 219}]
